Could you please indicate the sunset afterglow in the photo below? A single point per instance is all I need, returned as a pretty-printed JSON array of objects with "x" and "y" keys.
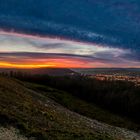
[{"x": 28, "y": 51}]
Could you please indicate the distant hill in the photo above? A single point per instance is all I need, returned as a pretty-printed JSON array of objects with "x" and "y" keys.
[{"x": 41, "y": 71}]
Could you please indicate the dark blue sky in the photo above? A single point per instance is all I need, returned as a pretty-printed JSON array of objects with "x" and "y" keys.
[{"x": 113, "y": 23}]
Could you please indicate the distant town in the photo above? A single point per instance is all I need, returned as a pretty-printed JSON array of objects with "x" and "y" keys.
[
  {"x": 135, "y": 78},
  {"x": 127, "y": 74}
]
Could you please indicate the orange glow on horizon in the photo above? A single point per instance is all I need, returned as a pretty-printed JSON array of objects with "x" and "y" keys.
[
  {"x": 26, "y": 66},
  {"x": 55, "y": 64}
]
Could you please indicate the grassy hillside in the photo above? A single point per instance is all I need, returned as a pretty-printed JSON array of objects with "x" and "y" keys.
[
  {"x": 35, "y": 115},
  {"x": 82, "y": 107},
  {"x": 119, "y": 97}
]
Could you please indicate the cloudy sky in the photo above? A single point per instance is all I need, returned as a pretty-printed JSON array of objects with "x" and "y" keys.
[{"x": 68, "y": 33}]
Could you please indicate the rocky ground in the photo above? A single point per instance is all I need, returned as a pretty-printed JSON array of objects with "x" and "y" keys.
[{"x": 11, "y": 134}]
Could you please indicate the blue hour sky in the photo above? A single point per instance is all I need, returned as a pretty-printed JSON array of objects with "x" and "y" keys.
[{"x": 70, "y": 33}]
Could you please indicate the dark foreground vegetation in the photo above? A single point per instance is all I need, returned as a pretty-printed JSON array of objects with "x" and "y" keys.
[
  {"x": 33, "y": 107},
  {"x": 118, "y": 97},
  {"x": 37, "y": 116}
]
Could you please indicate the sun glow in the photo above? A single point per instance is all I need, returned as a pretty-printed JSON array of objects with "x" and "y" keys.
[
  {"x": 57, "y": 62},
  {"x": 10, "y": 65}
]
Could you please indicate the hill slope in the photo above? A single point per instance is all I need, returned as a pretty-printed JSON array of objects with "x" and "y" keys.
[{"x": 37, "y": 116}]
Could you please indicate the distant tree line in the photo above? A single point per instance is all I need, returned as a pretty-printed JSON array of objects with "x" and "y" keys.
[
  {"x": 15, "y": 74},
  {"x": 120, "y": 97}
]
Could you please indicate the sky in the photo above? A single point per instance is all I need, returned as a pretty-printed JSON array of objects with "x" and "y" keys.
[{"x": 70, "y": 34}]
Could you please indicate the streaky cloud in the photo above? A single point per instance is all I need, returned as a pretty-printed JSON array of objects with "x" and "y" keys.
[{"x": 15, "y": 48}]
